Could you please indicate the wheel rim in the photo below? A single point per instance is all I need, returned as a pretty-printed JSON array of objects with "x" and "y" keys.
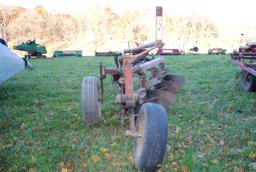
[{"x": 140, "y": 131}]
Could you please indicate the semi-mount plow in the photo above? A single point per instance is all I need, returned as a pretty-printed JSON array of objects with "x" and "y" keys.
[{"x": 144, "y": 106}]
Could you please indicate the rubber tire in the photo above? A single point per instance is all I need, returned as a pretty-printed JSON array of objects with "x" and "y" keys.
[
  {"x": 151, "y": 153},
  {"x": 249, "y": 83},
  {"x": 91, "y": 106}
]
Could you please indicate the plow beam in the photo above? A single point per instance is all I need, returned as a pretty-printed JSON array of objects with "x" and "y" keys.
[{"x": 147, "y": 65}]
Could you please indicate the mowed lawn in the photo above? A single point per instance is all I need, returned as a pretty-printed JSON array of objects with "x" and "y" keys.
[{"x": 212, "y": 127}]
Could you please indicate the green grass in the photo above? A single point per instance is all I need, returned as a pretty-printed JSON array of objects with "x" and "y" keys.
[{"x": 211, "y": 127}]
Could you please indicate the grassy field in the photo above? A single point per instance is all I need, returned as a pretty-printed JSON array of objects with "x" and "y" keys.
[{"x": 211, "y": 127}]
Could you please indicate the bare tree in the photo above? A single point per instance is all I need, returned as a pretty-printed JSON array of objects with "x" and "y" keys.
[{"x": 5, "y": 14}]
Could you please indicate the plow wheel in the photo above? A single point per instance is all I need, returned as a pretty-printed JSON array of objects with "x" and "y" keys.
[
  {"x": 248, "y": 81},
  {"x": 91, "y": 105},
  {"x": 150, "y": 145}
]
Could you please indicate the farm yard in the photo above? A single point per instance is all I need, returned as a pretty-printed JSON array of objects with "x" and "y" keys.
[{"x": 211, "y": 126}]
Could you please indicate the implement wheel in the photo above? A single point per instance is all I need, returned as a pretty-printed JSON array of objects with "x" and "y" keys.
[
  {"x": 248, "y": 81},
  {"x": 151, "y": 143},
  {"x": 91, "y": 105}
]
